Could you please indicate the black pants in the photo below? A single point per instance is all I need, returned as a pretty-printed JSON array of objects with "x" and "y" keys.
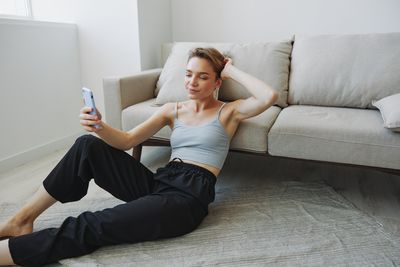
[{"x": 169, "y": 203}]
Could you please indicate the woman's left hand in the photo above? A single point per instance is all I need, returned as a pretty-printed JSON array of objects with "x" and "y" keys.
[{"x": 225, "y": 72}]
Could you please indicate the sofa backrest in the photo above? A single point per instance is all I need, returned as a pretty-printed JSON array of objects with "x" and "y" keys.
[
  {"x": 268, "y": 61},
  {"x": 344, "y": 70},
  {"x": 166, "y": 49}
]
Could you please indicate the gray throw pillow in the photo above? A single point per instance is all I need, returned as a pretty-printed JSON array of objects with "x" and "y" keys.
[{"x": 390, "y": 110}]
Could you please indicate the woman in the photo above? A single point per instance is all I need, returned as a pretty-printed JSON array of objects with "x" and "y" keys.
[{"x": 169, "y": 203}]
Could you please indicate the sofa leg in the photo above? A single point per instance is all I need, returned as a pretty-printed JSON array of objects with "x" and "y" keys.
[{"x": 137, "y": 152}]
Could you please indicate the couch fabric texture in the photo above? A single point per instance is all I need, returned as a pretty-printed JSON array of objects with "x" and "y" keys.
[{"x": 344, "y": 70}]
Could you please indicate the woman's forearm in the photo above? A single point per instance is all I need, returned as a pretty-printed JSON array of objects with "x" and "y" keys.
[{"x": 114, "y": 137}]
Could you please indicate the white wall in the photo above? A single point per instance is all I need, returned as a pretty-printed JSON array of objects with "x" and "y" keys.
[
  {"x": 265, "y": 20},
  {"x": 108, "y": 36},
  {"x": 154, "y": 30},
  {"x": 39, "y": 89}
]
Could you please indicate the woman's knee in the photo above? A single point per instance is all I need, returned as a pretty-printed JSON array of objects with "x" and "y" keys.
[
  {"x": 86, "y": 138},
  {"x": 89, "y": 140}
]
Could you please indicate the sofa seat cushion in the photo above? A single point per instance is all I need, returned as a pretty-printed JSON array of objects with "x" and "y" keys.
[
  {"x": 343, "y": 135},
  {"x": 251, "y": 135}
]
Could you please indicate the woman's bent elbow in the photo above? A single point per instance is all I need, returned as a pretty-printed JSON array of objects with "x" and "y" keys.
[
  {"x": 272, "y": 99},
  {"x": 129, "y": 143}
]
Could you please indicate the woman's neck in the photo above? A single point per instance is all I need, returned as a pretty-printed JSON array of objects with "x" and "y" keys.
[{"x": 200, "y": 105}]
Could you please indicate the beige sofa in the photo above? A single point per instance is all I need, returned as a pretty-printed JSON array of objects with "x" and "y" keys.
[{"x": 325, "y": 112}]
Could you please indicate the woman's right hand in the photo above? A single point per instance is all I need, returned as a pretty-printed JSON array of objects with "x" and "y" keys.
[
  {"x": 88, "y": 121},
  {"x": 225, "y": 73}
]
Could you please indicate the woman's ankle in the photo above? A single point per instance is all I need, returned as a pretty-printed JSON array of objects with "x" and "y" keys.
[
  {"x": 15, "y": 227},
  {"x": 24, "y": 216}
]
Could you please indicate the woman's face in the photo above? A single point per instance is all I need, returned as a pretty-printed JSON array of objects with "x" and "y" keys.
[{"x": 200, "y": 79}]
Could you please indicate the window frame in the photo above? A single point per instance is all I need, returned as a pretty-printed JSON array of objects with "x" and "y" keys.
[{"x": 29, "y": 16}]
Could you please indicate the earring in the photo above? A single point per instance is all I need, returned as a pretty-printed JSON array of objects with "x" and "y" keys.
[{"x": 216, "y": 91}]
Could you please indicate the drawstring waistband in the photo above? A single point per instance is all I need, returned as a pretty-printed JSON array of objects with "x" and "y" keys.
[
  {"x": 181, "y": 163},
  {"x": 190, "y": 178},
  {"x": 177, "y": 158}
]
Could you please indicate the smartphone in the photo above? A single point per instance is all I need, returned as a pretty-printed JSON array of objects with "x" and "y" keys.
[{"x": 89, "y": 102}]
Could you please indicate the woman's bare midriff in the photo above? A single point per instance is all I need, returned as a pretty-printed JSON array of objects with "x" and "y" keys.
[{"x": 212, "y": 169}]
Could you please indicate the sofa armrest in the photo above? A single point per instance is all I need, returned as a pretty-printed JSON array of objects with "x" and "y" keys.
[{"x": 122, "y": 92}]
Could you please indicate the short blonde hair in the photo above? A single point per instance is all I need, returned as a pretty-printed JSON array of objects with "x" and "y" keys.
[{"x": 212, "y": 55}]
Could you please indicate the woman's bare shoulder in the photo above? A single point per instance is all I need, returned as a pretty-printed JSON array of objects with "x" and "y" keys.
[{"x": 165, "y": 113}]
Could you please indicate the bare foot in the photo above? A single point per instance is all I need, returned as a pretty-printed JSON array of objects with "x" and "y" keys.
[{"x": 15, "y": 227}]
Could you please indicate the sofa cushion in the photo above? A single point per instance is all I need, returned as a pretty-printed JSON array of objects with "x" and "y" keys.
[
  {"x": 390, "y": 110},
  {"x": 344, "y": 135},
  {"x": 267, "y": 61},
  {"x": 344, "y": 70},
  {"x": 251, "y": 135}
]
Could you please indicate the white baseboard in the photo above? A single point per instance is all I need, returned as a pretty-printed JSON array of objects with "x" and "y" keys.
[{"x": 37, "y": 152}]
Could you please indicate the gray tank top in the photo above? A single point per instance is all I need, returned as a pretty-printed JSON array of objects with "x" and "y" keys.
[{"x": 207, "y": 143}]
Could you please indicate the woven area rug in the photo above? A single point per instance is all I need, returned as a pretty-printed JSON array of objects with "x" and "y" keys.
[{"x": 279, "y": 224}]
